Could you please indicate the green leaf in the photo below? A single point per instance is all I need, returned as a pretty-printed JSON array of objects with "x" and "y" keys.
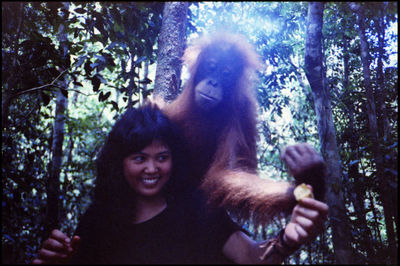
[
  {"x": 80, "y": 10},
  {"x": 87, "y": 67},
  {"x": 140, "y": 60},
  {"x": 115, "y": 105},
  {"x": 77, "y": 83},
  {"x": 96, "y": 83},
  {"x": 117, "y": 28},
  {"x": 81, "y": 60},
  {"x": 353, "y": 162},
  {"x": 145, "y": 81},
  {"x": 45, "y": 98},
  {"x": 64, "y": 92},
  {"x": 103, "y": 97}
]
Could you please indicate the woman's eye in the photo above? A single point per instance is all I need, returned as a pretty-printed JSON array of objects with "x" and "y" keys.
[
  {"x": 138, "y": 159},
  {"x": 162, "y": 158}
]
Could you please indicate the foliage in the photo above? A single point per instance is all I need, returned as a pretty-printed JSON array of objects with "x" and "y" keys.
[
  {"x": 102, "y": 38},
  {"x": 111, "y": 44}
]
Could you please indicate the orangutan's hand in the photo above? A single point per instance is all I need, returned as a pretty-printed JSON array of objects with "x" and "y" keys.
[{"x": 307, "y": 166}]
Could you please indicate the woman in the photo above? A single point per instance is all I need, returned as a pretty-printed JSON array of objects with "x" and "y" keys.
[{"x": 143, "y": 210}]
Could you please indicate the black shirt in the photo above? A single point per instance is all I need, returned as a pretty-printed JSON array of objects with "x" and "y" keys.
[{"x": 184, "y": 232}]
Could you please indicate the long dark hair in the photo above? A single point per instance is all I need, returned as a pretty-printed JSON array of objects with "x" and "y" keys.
[{"x": 135, "y": 130}]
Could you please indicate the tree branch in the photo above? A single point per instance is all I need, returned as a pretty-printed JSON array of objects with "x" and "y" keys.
[{"x": 40, "y": 87}]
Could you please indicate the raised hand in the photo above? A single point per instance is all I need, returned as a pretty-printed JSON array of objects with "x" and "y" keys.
[{"x": 307, "y": 166}]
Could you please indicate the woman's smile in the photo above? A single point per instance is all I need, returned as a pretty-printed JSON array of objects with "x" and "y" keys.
[
  {"x": 150, "y": 181},
  {"x": 148, "y": 170}
]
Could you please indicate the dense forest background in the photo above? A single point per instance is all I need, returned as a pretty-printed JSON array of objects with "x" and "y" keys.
[{"x": 69, "y": 69}]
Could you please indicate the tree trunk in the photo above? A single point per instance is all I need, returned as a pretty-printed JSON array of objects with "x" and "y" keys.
[
  {"x": 381, "y": 108},
  {"x": 171, "y": 45},
  {"x": 341, "y": 235},
  {"x": 53, "y": 182},
  {"x": 384, "y": 125},
  {"x": 132, "y": 86},
  {"x": 353, "y": 172},
  {"x": 145, "y": 74},
  {"x": 373, "y": 130},
  {"x": 11, "y": 81}
]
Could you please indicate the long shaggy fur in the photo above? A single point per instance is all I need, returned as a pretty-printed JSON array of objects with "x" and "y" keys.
[
  {"x": 222, "y": 146},
  {"x": 248, "y": 196}
]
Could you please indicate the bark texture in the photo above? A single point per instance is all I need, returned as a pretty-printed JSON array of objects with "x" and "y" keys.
[
  {"x": 53, "y": 181},
  {"x": 316, "y": 77},
  {"x": 171, "y": 45}
]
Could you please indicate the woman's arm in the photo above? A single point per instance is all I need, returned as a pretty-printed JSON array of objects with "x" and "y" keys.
[
  {"x": 307, "y": 221},
  {"x": 241, "y": 249}
]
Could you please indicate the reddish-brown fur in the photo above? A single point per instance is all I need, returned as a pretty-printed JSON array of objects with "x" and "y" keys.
[{"x": 222, "y": 146}]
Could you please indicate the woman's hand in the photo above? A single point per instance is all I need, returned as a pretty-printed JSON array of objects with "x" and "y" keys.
[
  {"x": 57, "y": 249},
  {"x": 307, "y": 221}
]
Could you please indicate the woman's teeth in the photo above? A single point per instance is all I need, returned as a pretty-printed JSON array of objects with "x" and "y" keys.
[{"x": 150, "y": 181}]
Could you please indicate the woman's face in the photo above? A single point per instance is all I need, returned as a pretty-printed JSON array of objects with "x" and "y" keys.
[{"x": 148, "y": 171}]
